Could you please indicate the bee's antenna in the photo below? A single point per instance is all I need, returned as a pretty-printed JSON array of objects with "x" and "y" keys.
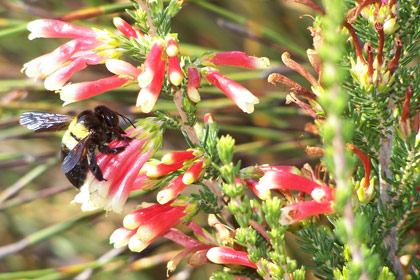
[{"x": 126, "y": 119}]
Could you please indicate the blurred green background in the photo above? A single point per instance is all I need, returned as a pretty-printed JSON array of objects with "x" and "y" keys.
[{"x": 39, "y": 228}]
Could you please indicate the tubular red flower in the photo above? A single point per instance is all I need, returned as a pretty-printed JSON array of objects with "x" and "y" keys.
[
  {"x": 154, "y": 171},
  {"x": 208, "y": 118},
  {"x": 149, "y": 223},
  {"x": 241, "y": 59},
  {"x": 122, "y": 68},
  {"x": 172, "y": 48},
  {"x": 282, "y": 168},
  {"x": 149, "y": 94},
  {"x": 120, "y": 171},
  {"x": 48, "y": 63},
  {"x": 152, "y": 63},
  {"x": 194, "y": 82},
  {"x": 242, "y": 97},
  {"x": 81, "y": 91},
  {"x": 56, "y": 80},
  {"x": 52, "y": 28},
  {"x": 290, "y": 181},
  {"x": 159, "y": 224},
  {"x": 125, "y": 28},
  {"x": 226, "y": 255},
  {"x": 180, "y": 156},
  {"x": 175, "y": 74},
  {"x": 121, "y": 236},
  {"x": 252, "y": 184},
  {"x": 298, "y": 211},
  {"x": 193, "y": 173},
  {"x": 171, "y": 191},
  {"x": 138, "y": 217}
]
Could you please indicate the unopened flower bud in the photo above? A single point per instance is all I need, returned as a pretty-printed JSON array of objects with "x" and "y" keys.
[
  {"x": 193, "y": 173},
  {"x": 194, "y": 82}
]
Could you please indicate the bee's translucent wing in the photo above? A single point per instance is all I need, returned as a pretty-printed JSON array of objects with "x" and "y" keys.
[
  {"x": 41, "y": 121},
  {"x": 74, "y": 156}
]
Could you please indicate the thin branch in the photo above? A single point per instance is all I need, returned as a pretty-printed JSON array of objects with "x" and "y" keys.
[
  {"x": 188, "y": 129},
  {"x": 108, "y": 256},
  {"x": 145, "y": 7},
  {"x": 43, "y": 234},
  {"x": 27, "y": 198}
]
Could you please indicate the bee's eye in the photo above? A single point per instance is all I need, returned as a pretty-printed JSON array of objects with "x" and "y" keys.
[{"x": 107, "y": 115}]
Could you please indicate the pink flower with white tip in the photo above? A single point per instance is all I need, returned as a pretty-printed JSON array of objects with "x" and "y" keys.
[
  {"x": 84, "y": 90},
  {"x": 296, "y": 212},
  {"x": 194, "y": 83},
  {"x": 152, "y": 77},
  {"x": 126, "y": 29},
  {"x": 288, "y": 181},
  {"x": 125, "y": 74},
  {"x": 121, "y": 172},
  {"x": 236, "y": 58},
  {"x": 88, "y": 47},
  {"x": 242, "y": 97},
  {"x": 227, "y": 255},
  {"x": 143, "y": 226},
  {"x": 171, "y": 191},
  {"x": 52, "y": 28},
  {"x": 175, "y": 74}
]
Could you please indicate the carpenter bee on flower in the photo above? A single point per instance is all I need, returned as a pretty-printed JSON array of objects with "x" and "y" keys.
[{"x": 88, "y": 131}]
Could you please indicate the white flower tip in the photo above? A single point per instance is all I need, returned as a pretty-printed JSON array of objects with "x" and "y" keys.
[
  {"x": 214, "y": 255},
  {"x": 51, "y": 83},
  {"x": 248, "y": 107},
  {"x": 285, "y": 218},
  {"x": 117, "y": 21},
  {"x": 129, "y": 222},
  {"x": 145, "y": 78},
  {"x": 118, "y": 238},
  {"x": 33, "y": 26},
  {"x": 67, "y": 102},
  {"x": 115, "y": 204},
  {"x": 135, "y": 245},
  {"x": 176, "y": 78},
  {"x": 164, "y": 196},
  {"x": 172, "y": 50},
  {"x": 145, "y": 100},
  {"x": 188, "y": 178},
  {"x": 262, "y": 63},
  {"x": 32, "y": 36},
  {"x": 193, "y": 95},
  {"x": 145, "y": 233},
  {"x": 318, "y": 194}
]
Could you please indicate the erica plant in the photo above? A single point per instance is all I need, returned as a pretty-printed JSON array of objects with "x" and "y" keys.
[{"x": 351, "y": 204}]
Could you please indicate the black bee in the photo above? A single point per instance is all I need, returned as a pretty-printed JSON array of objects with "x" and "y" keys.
[{"x": 86, "y": 132}]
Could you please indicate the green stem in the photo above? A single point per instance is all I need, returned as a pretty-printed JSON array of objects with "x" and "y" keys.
[
  {"x": 44, "y": 234},
  {"x": 27, "y": 178}
]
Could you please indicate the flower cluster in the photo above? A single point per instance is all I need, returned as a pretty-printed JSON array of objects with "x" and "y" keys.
[
  {"x": 190, "y": 163},
  {"x": 88, "y": 47},
  {"x": 383, "y": 12},
  {"x": 91, "y": 46},
  {"x": 143, "y": 226},
  {"x": 120, "y": 170}
]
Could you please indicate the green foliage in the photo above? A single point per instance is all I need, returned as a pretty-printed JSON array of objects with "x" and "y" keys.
[{"x": 207, "y": 201}]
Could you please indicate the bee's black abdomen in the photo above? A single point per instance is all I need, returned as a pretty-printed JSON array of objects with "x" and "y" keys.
[{"x": 77, "y": 175}]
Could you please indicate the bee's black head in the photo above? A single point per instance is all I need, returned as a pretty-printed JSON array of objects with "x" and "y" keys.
[{"x": 107, "y": 116}]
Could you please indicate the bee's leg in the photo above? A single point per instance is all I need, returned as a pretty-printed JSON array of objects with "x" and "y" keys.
[
  {"x": 93, "y": 165},
  {"x": 107, "y": 150},
  {"x": 123, "y": 138},
  {"x": 126, "y": 138}
]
